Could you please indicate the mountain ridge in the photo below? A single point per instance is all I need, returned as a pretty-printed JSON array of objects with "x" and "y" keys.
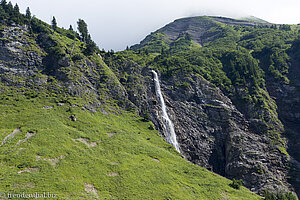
[{"x": 191, "y": 26}]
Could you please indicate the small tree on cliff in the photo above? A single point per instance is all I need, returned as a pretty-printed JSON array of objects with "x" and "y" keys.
[
  {"x": 28, "y": 13},
  {"x": 91, "y": 46},
  {"x": 54, "y": 23},
  {"x": 82, "y": 28}
]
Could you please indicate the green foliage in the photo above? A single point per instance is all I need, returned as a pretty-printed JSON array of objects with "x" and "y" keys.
[
  {"x": 146, "y": 116},
  {"x": 83, "y": 30},
  {"x": 10, "y": 14},
  {"x": 184, "y": 85},
  {"x": 91, "y": 46},
  {"x": 236, "y": 184},
  {"x": 3, "y": 3},
  {"x": 270, "y": 47},
  {"x": 39, "y": 26},
  {"x": 77, "y": 56},
  {"x": 295, "y": 49},
  {"x": 285, "y": 27},
  {"x": 138, "y": 57},
  {"x": 28, "y": 13},
  {"x": 68, "y": 33},
  {"x": 170, "y": 65},
  {"x": 183, "y": 43},
  {"x": 57, "y": 52},
  {"x": 242, "y": 69},
  {"x": 279, "y": 196},
  {"x": 157, "y": 41}
]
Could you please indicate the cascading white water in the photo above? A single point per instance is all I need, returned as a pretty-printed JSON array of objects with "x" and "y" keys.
[{"x": 170, "y": 132}]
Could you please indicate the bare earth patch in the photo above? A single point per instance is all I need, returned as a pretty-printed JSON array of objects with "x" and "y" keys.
[
  {"x": 86, "y": 141},
  {"x": 24, "y": 185},
  {"x": 224, "y": 196},
  {"x": 114, "y": 163},
  {"x": 53, "y": 161},
  {"x": 47, "y": 107},
  {"x": 12, "y": 135},
  {"x": 91, "y": 188},
  {"x": 112, "y": 174},
  {"x": 110, "y": 134},
  {"x": 29, "y": 170},
  {"x": 28, "y": 135},
  {"x": 19, "y": 150}
]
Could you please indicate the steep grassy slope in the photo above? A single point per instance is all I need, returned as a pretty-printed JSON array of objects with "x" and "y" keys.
[{"x": 61, "y": 148}]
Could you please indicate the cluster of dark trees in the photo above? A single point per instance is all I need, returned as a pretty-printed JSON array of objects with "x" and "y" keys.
[
  {"x": 86, "y": 37},
  {"x": 10, "y": 15}
]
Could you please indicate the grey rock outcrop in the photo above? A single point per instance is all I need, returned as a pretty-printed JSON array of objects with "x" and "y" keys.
[{"x": 211, "y": 131}]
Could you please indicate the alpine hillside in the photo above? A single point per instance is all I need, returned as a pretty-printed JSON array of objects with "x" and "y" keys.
[
  {"x": 233, "y": 91},
  {"x": 81, "y": 123}
]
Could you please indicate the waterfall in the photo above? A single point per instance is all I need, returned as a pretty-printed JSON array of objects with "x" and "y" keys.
[{"x": 169, "y": 127}]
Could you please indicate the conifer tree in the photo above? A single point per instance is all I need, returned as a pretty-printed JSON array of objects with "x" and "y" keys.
[
  {"x": 2, "y": 13},
  {"x": 3, "y": 3},
  {"x": 71, "y": 28},
  {"x": 82, "y": 28},
  {"x": 9, "y": 8},
  {"x": 16, "y": 9},
  {"x": 28, "y": 13},
  {"x": 16, "y": 14},
  {"x": 54, "y": 23},
  {"x": 91, "y": 46}
]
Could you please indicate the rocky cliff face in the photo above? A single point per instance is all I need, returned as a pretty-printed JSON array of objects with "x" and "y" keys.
[
  {"x": 214, "y": 134},
  {"x": 225, "y": 131},
  {"x": 13, "y": 56},
  {"x": 211, "y": 131},
  {"x": 44, "y": 62},
  {"x": 288, "y": 98}
]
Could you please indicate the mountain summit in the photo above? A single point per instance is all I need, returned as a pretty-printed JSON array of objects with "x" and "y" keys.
[{"x": 201, "y": 30}]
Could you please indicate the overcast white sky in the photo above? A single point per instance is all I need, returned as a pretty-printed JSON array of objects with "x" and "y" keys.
[{"x": 115, "y": 24}]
